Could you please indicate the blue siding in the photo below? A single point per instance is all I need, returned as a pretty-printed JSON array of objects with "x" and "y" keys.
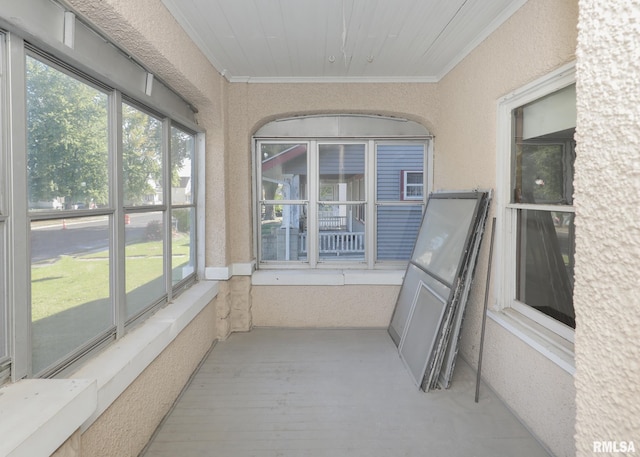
[
  {"x": 397, "y": 229},
  {"x": 341, "y": 160},
  {"x": 391, "y": 161}
]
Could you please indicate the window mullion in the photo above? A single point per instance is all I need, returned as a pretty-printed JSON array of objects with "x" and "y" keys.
[
  {"x": 312, "y": 210},
  {"x": 19, "y": 252},
  {"x": 118, "y": 291},
  {"x": 166, "y": 198},
  {"x": 370, "y": 204}
]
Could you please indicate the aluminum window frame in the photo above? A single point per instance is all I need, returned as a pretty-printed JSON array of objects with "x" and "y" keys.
[
  {"x": 15, "y": 216},
  {"x": 371, "y": 202},
  {"x": 505, "y": 287},
  {"x": 5, "y": 359}
]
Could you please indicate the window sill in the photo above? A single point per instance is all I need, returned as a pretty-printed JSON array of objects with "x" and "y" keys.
[
  {"x": 327, "y": 277},
  {"x": 549, "y": 344},
  {"x": 38, "y": 415}
]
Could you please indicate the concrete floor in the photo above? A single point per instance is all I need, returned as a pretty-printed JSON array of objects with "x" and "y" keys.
[{"x": 291, "y": 392}]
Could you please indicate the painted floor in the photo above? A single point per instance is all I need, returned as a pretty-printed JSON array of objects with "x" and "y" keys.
[{"x": 301, "y": 392}]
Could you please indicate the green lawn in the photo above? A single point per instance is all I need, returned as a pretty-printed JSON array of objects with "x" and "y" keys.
[{"x": 72, "y": 281}]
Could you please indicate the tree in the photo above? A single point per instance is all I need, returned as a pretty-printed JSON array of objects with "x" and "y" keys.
[
  {"x": 67, "y": 137},
  {"x": 142, "y": 161}
]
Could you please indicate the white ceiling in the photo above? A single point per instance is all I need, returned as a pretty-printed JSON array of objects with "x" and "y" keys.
[{"x": 338, "y": 40}]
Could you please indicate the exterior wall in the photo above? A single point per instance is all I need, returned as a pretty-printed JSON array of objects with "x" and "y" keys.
[
  {"x": 253, "y": 105},
  {"x": 607, "y": 197},
  {"x": 323, "y": 306},
  {"x": 124, "y": 429},
  {"x": 540, "y": 37}
]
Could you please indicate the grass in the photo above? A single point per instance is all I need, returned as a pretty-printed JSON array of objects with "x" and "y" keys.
[{"x": 72, "y": 281}]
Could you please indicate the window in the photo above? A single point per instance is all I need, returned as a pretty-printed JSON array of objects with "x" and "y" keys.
[
  {"x": 143, "y": 204},
  {"x": 538, "y": 230},
  {"x": 67, "y": 169},
  {"x": 327, "y": 201},
  {"x": 412, "y": 185},
  {"x": 398, "y": 201},
  {"x": 183, "y": 205},
  {"x": 107, "y": 193},
  {"x": 4, "y": 334}
]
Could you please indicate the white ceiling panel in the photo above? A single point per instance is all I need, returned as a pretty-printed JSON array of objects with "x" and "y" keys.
[{"x": 338, "y": 40}]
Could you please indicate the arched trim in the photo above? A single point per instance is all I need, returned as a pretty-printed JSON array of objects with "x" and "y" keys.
[{"x": 343, "y": 126}]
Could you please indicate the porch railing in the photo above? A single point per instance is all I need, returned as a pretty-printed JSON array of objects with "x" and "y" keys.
[{"x": 336, "y": 242}]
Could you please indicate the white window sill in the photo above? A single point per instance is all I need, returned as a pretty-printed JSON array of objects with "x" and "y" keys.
[
  {"x": 327, "y": 277},
  {"x": 38, "y": 415},
  {"x": 552, "y": 346}
]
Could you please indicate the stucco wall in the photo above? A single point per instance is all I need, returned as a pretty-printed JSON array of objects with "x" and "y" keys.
[
  {"x": 323, "y": 306},
  {"x": 253, "y": 105},
  {"x": 607, "y": 198},
  {"x": 127, "y": 425},
  {"x": 250, "y": 107},
  {"x": 540, "y": 37}
]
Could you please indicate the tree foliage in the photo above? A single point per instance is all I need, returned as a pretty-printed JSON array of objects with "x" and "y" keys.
[
  {"x": 67, "y": 137},
  {"x": 68, "y": 143},
  {"x": 142, "y": 161}
]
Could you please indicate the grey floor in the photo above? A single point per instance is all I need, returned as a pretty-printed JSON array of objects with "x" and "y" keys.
[{"x": 289, "y": 392}]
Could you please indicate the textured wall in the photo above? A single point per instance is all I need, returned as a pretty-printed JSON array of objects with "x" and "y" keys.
[
  {"x": 146, "y": 30},
  {"x": 607, "y": 199},
  {"x": 540, "y": 37},
  {"x": 250, "y": 107},
  {"x": 253, "y": 105},
  {"x": 323, "y": 306},
  {"x": 127, "y": 425}
]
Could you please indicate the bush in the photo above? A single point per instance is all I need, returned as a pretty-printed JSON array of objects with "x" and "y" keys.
[
  {"x": 153, "y": 232},
  {"x": 183, "y": 219}
]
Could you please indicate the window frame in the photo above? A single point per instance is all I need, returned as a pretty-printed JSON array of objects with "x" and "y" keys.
[
  {"x": 369, "y": 205},
  {"x": 16, "y": 216},
  {"x": 505, "y": 287},
  {"x": 5, "y": 359},
  {"x": 404, "y": 185}
]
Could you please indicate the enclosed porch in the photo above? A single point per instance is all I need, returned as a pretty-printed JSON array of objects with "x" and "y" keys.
[{"x": 319, "y": 392}]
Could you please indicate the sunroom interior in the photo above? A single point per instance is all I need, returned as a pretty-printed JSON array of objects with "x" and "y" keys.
[{"x": 211, "y": 206}]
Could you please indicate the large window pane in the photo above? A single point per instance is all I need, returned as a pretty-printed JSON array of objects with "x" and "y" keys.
[
  {"x": 70, "y": 302},
  {"x": 341, "y": 235},
  {"x": 284, "y": 172},
  {"x": 399, "y": 172},
  {"x": 67, "y": 156},
  {"x": 182, "y": 153},
  {"x": 144, "y": 252},
  {"x": 182, "y": 247},
  {"x": 397, "y": 229},
  {"x": 546, "y": 245},
  {"x": 544, "y": 173},
  {"x": 142, "y": 160},
  {"x": 341, "y": 169},
  {"x": 3, "y": 311},
  {"x": 284, "y": 237}
]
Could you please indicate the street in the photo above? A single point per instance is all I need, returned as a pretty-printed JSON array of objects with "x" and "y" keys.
[{"x": 81, "y": 235}]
